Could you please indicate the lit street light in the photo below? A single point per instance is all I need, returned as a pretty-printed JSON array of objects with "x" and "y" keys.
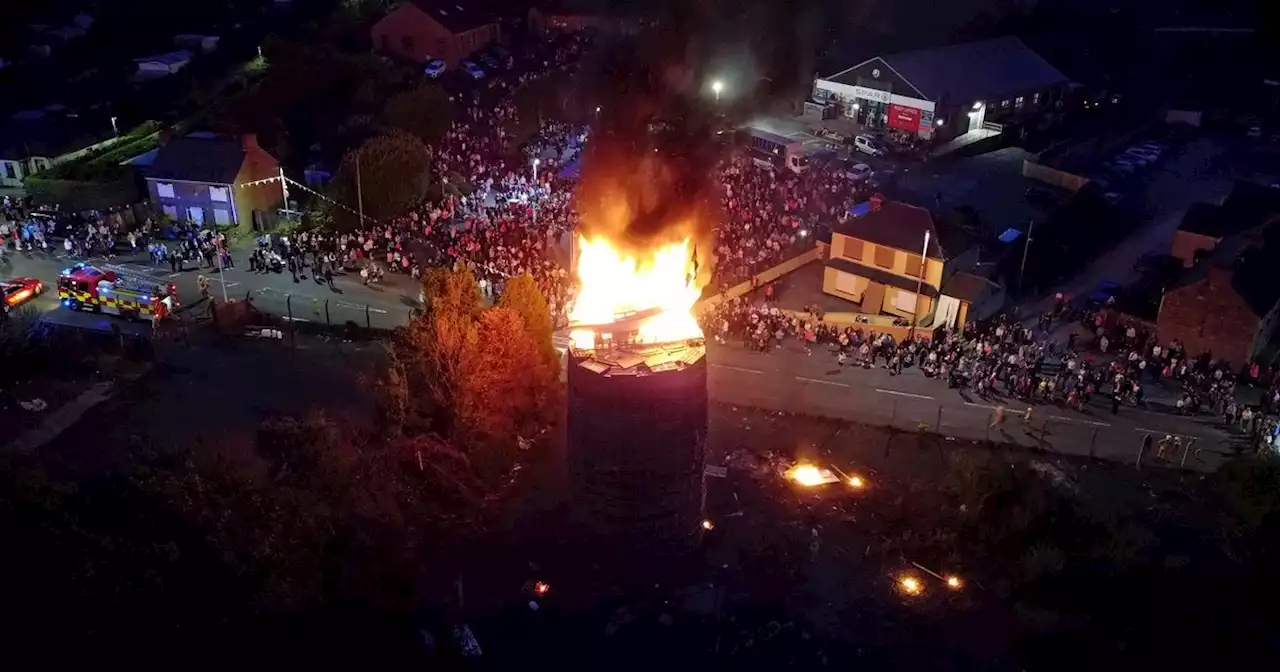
[
  {"x": 717, "y": 86},
  {"x": 115, "y": 129}
]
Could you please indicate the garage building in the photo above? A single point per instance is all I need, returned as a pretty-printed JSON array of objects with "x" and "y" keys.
[{"x": 946, "y": 91}]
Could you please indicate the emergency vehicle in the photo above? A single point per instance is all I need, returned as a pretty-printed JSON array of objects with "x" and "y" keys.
[{"x": 84, "y": 287}]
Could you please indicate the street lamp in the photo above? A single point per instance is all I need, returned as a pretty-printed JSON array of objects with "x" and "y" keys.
[
  {"x": 534, "y": 196},
  {"x": 717, "y": 86},
  {"x": 924, "y": 262},
  {"x": 115, "y": 129}
]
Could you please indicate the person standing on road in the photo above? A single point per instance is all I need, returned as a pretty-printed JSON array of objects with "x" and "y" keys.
[{"x": 203, "y": 283}]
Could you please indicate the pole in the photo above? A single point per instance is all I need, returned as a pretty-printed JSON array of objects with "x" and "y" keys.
[
  {"x": 327, "y": 321},
  {"x": 1026, "y": 247},
  {"x": 222, "y": 272},
  {"x": 359, "y": 191},
  {"x": 924, "y": 260}
]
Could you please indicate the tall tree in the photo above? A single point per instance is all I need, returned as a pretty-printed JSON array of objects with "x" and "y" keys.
[
  {"x": 424, "y": 111},
  {"x": 393, "y": 171},
  {"x": 521, "y": 294}
]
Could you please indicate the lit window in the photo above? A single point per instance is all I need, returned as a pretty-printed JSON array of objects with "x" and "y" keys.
[
  {"x": 1004, "y": 103},
  {"x": 1017, "y": 102},
  {"x": 1035, "y": 100},
  {"x": 164, "y": 190},
  {"x": 219, "y": 194},
  {"x": 221, "y": 217},
  {"x": 170, "y": 211},
  {"x": 10, "y": 170}
]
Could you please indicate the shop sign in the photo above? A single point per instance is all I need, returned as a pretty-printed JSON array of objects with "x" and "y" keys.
[
  {"x": 926, "y": 120},
  {"x": 904, "y": 118},
  {"x": 871, "y": 94}
]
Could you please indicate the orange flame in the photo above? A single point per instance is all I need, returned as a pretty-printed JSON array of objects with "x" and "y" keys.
[{"x": 615, "y": 284}]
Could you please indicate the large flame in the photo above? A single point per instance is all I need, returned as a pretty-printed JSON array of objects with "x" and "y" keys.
[{"x": 616, "y": 284}]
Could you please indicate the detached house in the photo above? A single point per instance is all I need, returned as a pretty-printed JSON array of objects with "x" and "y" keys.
[
  {"x": 424, "y": 30},
  {"x": 880, "y": 262},
  {"x": 201, "y": 178}
]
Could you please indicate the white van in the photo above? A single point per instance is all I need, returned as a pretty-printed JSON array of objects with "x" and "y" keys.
[
  {"x": 869, "y": 145},
  {"x": 770, "y": 150}
]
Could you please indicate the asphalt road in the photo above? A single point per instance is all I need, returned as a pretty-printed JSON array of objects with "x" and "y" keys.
[{"x": 385, "y": 305}]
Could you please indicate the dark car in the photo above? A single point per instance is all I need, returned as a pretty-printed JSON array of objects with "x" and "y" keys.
[{"x": 489, "y": 61}]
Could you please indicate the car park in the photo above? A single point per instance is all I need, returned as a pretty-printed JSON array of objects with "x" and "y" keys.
[
  {"x": 472, "y": 69},
  {"x": 434, "y": 69}
]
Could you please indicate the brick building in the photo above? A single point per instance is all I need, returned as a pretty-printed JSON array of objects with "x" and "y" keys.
[
  {"x": 1227, "y": 306},
  {"x": 201, "y": 179},
  {"x": 1205, "y": 225},
  {"x": 424, "y": 30}
]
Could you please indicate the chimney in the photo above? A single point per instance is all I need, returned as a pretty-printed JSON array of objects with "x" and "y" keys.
[{"x": 249, "y": 141}]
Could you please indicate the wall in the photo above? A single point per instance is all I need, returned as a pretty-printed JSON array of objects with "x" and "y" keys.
[
  {"x": 1186, "y": 244},
  {"x": 266, "y": 198},
  {"x": 842, "y": 248},
  {"x": 423, "y": 33},
  {"x": 1049, "y": 175},
  {"x": 188, "y": 195},
  {"x": 1209, "y": 316}
]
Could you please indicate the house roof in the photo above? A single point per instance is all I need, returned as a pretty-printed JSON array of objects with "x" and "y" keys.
[
  {"x": 1205, "y": 219},
  {"x": 966, "y": 286},
  {"x": 214, "y": 160},
  {"x": 457, "y": 16},
  {"x": 894, "y": 224},
  {"x": 984, "y": 70},
  {"x": 171, "y": 58},
  {"x": 881, "y": 276}
]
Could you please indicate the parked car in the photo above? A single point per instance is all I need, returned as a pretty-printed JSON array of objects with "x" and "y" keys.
[
  {"x": 18, "y": 291},
  {"x": 1136, "y": 159},
  {"x": 858, "y": 172},
  {"x": 434, "y": 69},
  {"x": 472, "y": 69},
  {"x": 489, "y": 61},
  {"x": 869, "y": 145}
]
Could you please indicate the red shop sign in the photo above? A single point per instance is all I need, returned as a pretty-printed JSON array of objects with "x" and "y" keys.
[{"x": 904, "y": 118}]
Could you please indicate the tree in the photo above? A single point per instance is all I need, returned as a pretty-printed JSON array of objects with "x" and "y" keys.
[
  {"x": 394, "y": 170},
  {"x": 424, "y": 111},
  {"x": 521, "y": 294}
]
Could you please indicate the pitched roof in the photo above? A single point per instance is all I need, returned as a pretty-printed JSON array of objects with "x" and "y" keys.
[
  {"x": 894, "y": 224},
  {"x": 975, "y": 71},
  {"x": 966, "y": 286},
  {"x": 215, "y": 160},
  {"x": 1205, "y": 219},
  {"x": 457, "y": 16}
]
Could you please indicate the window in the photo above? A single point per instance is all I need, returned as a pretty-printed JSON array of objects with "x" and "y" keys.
[
  {"x": 164, "y": 190},
  {"x": 853, "y": 248},
  {"x": 884, "y": 257},
  {"x": 1017, "y": 102},
  {"x": 905, "y": 301},
  {"x": 913, "y": 266},
  {"x": 1035, "y": 100},
  {"x": 221, "y": 217},
  {"x": 10, "y": 170},
  {"x": 406, "y": 42},
  {"x": 170, "y": 211},
  {"x": 1004, "y": 103},
  {"x": 220, "y": 194}
]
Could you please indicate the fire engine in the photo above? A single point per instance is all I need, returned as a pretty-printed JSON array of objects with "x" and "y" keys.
[{"x": 84, "y": 287}]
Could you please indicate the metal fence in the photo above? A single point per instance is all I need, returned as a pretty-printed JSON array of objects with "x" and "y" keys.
[{"x": 330, "y": 313}]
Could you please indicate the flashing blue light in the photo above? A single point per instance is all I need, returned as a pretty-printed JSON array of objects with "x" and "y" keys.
[{"x": 66, "y": 302}]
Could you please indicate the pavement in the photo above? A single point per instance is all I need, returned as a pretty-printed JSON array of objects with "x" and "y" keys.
[{"x": 385, "y": 305}]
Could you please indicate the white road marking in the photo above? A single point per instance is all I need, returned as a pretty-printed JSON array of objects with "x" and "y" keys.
[
  {"x": 976, "y": 405},
  {"x": 1093, "y": 423},
  {"x": 822, "y": 382},
  {"x": 174, "y": 275},
  {"x": 295, "y": 319},
  {"x": 734, "y": 368},
  {"x": 357, "y": 306},
  {"x": 903, "y": 394}
]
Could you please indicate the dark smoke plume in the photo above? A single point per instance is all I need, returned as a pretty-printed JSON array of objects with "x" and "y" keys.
[{"x": 649, "y": 173}]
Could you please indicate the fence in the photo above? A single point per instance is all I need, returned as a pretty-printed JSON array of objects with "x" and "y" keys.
[{"x": 310, "y": 314}]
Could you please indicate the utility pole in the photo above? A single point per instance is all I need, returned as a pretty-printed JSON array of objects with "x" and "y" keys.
[
  {"x": 924, "y": 262},
  {"x": 1026, "y": 247},
  {"x": 284, "y": 189},
  {"x": 359, "y": 192}
]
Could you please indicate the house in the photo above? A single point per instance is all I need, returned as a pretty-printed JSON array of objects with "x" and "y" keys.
[
  {"x": 890, "y": 262},
  {"x": 202, "y": 178},
  {"x": 1229, "y": 305},
  {"x": 34, "y": 140},
  {"x": 424, "y": 30},
  {"x": 162, "y": 65},
  {"x": 553, "y": 15},
  {"x": 1248, "y": 207}
]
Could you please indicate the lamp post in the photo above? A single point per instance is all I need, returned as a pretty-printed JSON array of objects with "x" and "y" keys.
[
  {"x": 114, "y": 128},
  {"x": 924, "y": 261},
  {"x": 1026, "y": 247},
  {"x": 534, "y": 196},
  {"x": 717, "y": 86}
]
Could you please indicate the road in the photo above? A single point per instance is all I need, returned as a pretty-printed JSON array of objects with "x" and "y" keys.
[
  {"x": 385, "y": 305},
  {"x": 789, "y": 380}
]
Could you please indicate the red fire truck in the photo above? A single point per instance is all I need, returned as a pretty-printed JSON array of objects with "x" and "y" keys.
[{"x": 84, "y": 287}]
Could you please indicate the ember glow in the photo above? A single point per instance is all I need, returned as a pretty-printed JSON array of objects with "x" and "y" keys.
[
  {"x": 615, "y": 284},
  {"x": 910, "y": 585},
  {"x": 807, "y": 475}
]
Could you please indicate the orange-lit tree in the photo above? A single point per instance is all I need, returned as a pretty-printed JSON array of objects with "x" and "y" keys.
[{"x": 522, "y": 295}]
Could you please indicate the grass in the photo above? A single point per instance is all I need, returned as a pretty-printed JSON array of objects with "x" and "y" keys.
[{"x": 103, "y": 164}]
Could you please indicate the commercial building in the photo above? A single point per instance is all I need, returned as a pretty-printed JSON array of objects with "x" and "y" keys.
[
  {"x": 425, "y": 30},
  {"x": 945, "y": 91}
]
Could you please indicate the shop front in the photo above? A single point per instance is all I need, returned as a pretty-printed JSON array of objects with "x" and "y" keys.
[{"x": 877, "y": 109}]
